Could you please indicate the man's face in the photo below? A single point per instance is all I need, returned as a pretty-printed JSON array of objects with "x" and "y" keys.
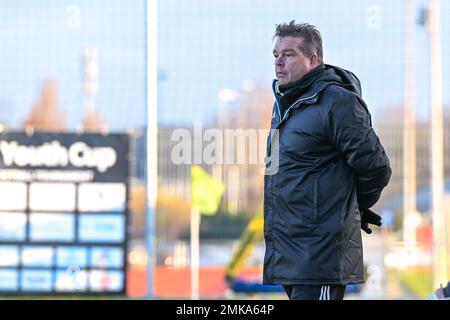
[{"x": 290, "y": 63}]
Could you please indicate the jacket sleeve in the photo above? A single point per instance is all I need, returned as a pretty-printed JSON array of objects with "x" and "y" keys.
[{"x": 351, "y": 132}]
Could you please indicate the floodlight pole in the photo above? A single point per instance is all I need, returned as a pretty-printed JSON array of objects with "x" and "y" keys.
[
  {"x": 437, "y": 149},
  {"x": 152, "y": 139},
  {"x": 410, "y": 214}
]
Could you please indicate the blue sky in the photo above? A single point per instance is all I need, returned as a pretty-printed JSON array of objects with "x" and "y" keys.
[
  {"x": 40, "y": 40},
  {"x": 208, "y": 45},
  {"x": 203, "y": 46}
]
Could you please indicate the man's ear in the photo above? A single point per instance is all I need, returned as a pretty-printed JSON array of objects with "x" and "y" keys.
[{"x": 313, "y": 61}]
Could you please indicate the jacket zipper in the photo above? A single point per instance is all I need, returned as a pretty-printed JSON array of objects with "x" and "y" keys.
[{"x": 292, "y": 106}]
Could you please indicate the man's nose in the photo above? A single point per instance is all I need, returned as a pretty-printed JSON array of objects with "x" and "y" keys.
[{"x": 278, "y": 61}]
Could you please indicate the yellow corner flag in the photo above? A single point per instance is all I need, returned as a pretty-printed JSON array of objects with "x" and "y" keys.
[{"x": 206, "y": 191}]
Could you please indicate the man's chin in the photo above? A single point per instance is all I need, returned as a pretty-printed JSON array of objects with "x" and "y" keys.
[{"x": 283, "y": 81}]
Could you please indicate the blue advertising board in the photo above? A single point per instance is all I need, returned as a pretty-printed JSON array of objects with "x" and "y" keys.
[{"x": 63, "y": 213}]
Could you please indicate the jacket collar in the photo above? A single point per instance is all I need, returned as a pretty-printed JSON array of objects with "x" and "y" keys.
[
  {"x": 307, "y": 89},
  {"x": 288, "y": 94}
]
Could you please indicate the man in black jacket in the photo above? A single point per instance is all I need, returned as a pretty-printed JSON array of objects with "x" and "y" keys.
[{"x": 331, "y": 171}]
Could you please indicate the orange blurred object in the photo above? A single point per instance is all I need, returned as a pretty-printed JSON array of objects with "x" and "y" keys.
[
  {"x": 424, "y": 235},
  {"x": 176, "y": 283}
]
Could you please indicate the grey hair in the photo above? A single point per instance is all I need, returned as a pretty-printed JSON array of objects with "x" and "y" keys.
[{"x": 312, "y": 39}]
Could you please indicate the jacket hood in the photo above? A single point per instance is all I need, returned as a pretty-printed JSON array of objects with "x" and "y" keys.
[
  {"x": 317, "y": 80},
  {"x": 342, "y": 77}
]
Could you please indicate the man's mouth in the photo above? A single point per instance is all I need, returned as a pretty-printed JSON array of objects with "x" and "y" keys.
[{"x": 280, "y": 74}]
